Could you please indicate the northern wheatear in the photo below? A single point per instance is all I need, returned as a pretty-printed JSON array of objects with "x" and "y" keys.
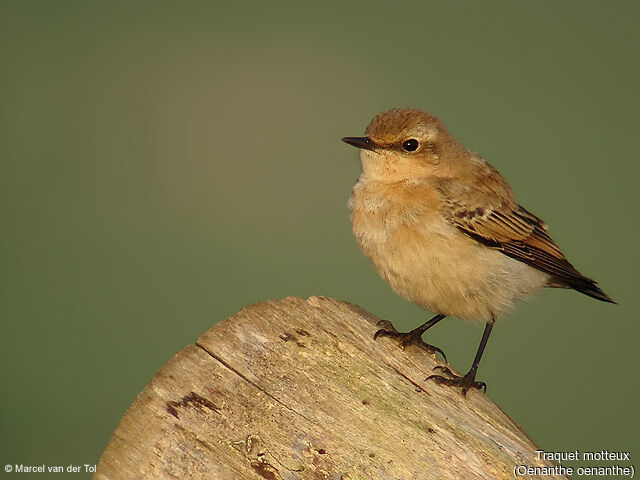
[{"x": 442, "y": 228}]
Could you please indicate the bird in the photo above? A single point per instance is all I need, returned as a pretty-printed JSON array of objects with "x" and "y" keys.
[{"x": 442, "y": 227}]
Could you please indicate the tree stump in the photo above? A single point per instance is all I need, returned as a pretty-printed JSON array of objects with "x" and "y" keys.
[{"x": 298, "y": 389}]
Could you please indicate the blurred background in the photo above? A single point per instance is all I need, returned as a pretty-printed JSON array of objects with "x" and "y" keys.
[{"x": 163, "y": 164}]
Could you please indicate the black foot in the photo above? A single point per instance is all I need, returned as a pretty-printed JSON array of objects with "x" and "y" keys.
[
  {"x": 466, "y": 382},
  {"x": 414, "y": 337}
]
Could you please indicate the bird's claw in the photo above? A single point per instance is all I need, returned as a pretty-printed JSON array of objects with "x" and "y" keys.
[
  {"x": 385, "y": 326},
  {"x": 413, "y": 337},
  {"x": 466, "y": 382}
]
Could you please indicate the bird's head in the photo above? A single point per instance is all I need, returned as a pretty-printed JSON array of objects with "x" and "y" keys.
[{"x": 404, "y": 144}]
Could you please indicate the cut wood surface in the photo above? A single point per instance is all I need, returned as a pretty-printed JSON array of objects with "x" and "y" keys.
[{"x": 298, "y": 389}]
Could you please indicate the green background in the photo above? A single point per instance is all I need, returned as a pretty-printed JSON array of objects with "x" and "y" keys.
[{"x": 164, "y": 164}]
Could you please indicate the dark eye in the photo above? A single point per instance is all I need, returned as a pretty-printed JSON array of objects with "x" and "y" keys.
[{"x": 410, "y": 145}]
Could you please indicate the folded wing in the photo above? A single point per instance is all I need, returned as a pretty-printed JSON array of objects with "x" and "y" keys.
[{"x": 508, "y": 227}]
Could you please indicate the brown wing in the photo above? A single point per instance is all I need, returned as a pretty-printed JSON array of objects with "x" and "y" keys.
[
  {"x": 517, "y": 235},
  {"x": 511, "y": 229}
]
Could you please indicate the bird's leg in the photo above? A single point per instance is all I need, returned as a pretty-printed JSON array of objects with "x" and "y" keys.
[
  {"x": 414, "y": 337},
  {"x": 469, "y": 380}
]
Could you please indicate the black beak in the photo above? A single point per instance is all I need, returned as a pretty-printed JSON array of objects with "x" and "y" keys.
[{"x": 360, "y": 142}]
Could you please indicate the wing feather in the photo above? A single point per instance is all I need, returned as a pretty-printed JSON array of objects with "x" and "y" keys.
[{"x": 500, "y": 223}]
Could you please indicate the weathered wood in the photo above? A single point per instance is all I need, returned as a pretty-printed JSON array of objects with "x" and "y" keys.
[{"x": 298, "y": 389}]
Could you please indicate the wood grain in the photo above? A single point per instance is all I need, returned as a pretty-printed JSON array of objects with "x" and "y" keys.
[{"x": 298, "y": 389}]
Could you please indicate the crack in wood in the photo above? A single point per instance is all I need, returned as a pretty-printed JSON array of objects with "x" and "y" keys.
[
  {"x": 414, "y": 383},
  {"x": 241, "y": 375}
]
